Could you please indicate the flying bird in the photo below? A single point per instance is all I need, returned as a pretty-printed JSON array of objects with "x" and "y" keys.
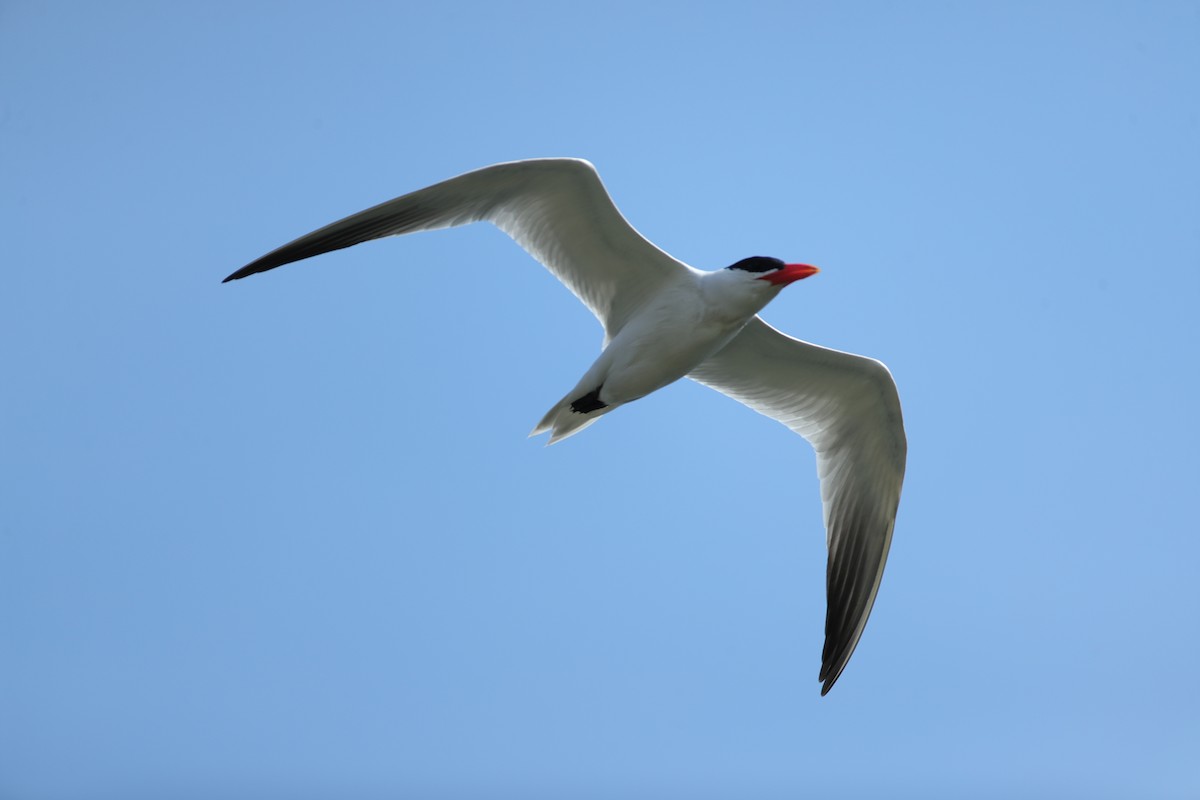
[{"x": 664, "y": 320}]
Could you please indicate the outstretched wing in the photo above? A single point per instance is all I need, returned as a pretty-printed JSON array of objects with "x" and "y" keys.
[
  {"x": 556, "y": 208},
  {"x": 846, "y": 406}
]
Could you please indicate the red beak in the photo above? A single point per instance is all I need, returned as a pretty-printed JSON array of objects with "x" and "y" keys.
[{"x": 789, "y": 274}]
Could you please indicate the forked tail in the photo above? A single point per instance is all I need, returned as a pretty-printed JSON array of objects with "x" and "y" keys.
[{"x": 572, "y": 414}]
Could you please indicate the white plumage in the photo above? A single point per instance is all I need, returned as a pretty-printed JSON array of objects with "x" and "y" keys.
[{"x": 664, "y": 320}]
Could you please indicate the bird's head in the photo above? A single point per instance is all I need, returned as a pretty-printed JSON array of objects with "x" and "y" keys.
[{"x": 773, "y": 271}]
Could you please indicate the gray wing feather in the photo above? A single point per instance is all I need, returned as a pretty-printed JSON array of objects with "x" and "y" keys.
[
  {"x": 847, "y": 407},
  {"x": 557, "y": 209}
]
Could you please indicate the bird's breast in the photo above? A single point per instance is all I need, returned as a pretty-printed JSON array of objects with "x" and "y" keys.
[{"x": 662, "y": 345}]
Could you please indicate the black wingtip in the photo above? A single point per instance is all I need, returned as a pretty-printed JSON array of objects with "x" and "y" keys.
[
  {"x": 242, "y": 273},
  {"x": 831, "y": 670}
]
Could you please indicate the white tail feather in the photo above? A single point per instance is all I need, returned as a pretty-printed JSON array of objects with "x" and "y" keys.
[{"x": 562, "y": 422}]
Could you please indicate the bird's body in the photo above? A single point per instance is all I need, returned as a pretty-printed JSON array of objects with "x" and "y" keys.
[
  {"x": 664, "y": 320},
  {"x": 675, "y": 330}
]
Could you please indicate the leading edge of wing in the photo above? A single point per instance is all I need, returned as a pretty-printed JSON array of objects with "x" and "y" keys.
[{"x": 457, "y": 201}]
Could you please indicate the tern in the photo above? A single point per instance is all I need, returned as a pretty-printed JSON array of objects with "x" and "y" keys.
[{"x": 664, "y": 320}]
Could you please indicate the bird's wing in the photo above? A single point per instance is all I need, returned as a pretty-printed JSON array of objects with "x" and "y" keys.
[
  {"x": 557, "y": 209},
  {"x": 846, "y": 406}
]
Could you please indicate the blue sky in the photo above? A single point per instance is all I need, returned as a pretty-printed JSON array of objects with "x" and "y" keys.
[{"x": 287, "y": 538}]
